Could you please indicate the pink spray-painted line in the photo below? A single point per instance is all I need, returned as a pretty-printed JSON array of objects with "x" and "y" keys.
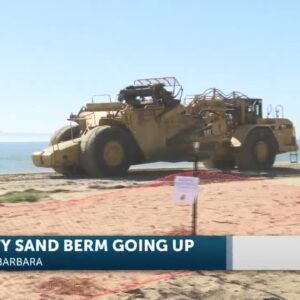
[{"x": 205, "y": 177}]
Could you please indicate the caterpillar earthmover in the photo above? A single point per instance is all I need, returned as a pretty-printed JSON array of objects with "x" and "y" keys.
[{"x": 148, "y": 122}]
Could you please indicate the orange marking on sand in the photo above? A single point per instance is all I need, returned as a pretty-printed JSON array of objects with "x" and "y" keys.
[{"x": 206, "y": 177}]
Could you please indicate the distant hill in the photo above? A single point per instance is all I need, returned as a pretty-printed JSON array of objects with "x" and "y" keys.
[{"x": 24, "y": 137}]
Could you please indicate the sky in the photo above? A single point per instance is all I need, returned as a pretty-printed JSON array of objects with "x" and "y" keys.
[{"x": 54, "y": 55}]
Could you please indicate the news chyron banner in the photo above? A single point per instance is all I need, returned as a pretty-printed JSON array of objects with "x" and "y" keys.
[
  {"x": 20, "y": 253},
  {"x": 112, "y": 253}
]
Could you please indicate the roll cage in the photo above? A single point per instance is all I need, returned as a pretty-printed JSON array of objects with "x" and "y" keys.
[{"x": 171, "y": 84}]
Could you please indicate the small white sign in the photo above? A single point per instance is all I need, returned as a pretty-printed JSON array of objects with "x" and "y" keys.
[{"x": 186, "y": 189}]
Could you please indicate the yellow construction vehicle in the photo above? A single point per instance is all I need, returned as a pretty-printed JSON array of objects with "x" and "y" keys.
[{"x": 149, "y": 123}]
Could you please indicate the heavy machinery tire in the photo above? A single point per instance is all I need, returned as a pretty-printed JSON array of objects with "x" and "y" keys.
[
  {"x": 61, "y": 135},
  {"x": 106, "y": 151},
  {"x": 224, "y": 164},
  {"x": 220, "y": 164},
  {"x": 258, "y": 152}
]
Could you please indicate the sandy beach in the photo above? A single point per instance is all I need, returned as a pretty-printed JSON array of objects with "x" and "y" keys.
[{"x": 236, "y": 204}]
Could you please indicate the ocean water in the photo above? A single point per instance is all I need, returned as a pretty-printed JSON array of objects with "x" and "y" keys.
[{"x": 15, "y": 157}]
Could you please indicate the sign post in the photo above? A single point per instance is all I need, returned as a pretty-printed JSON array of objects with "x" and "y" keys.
[
  {"x": 196, "y": 147},
  {"x": 194, "y": 221},
  {"x": 186, "y": 189}
]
